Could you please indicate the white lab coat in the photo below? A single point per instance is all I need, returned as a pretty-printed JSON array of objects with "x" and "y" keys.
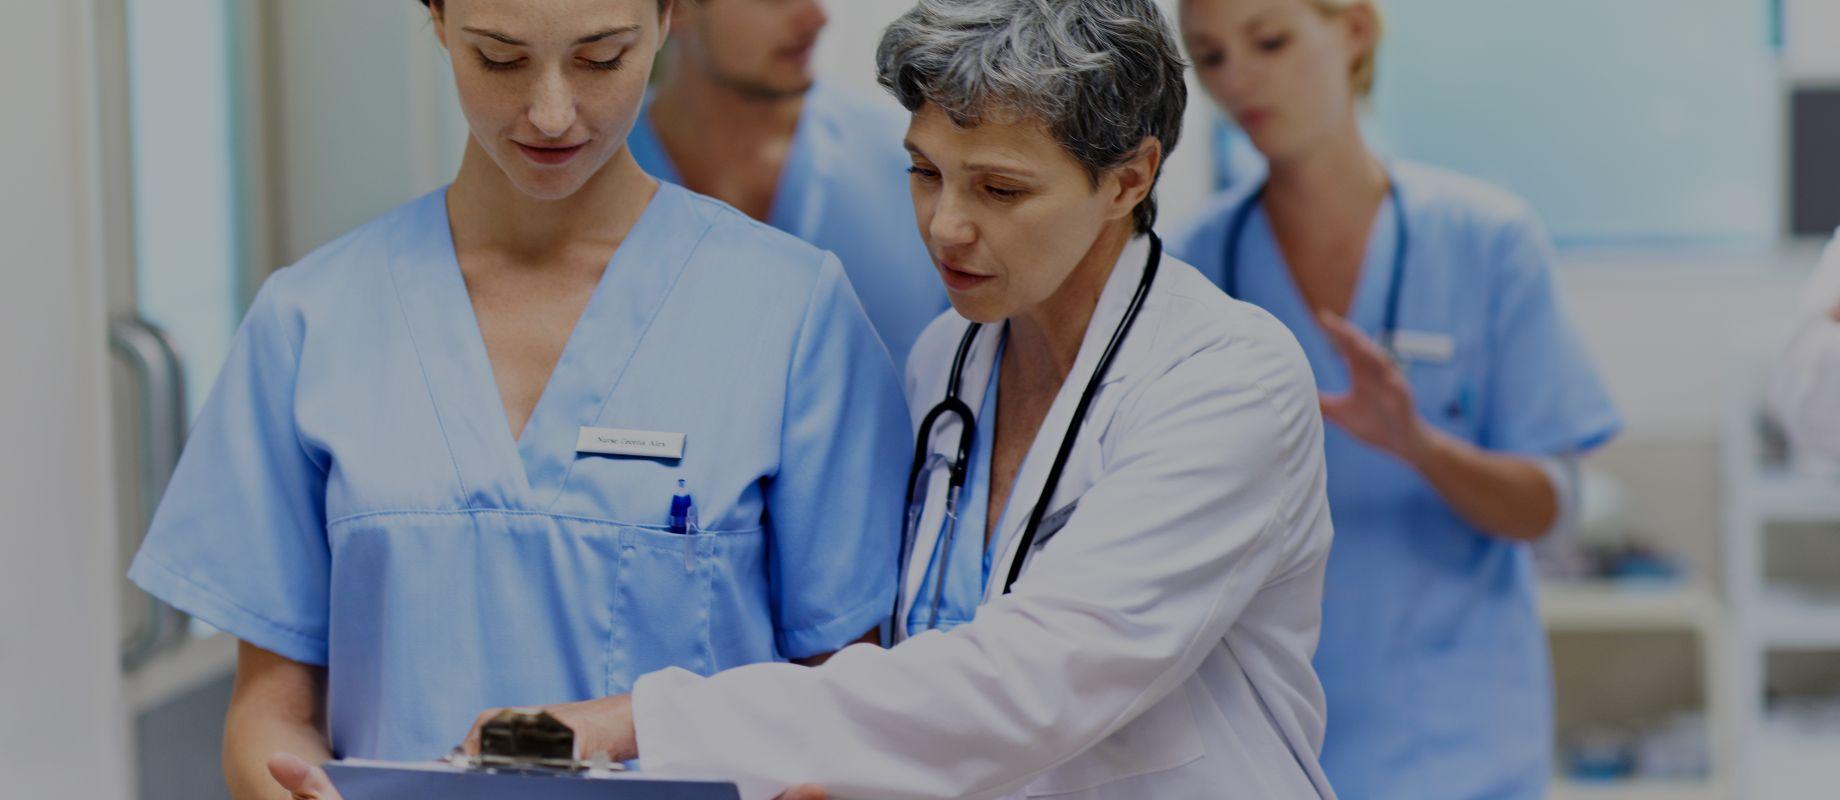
[
  {"x": 1158, "y": 646},
  {"x": 1806, "y": 391}
]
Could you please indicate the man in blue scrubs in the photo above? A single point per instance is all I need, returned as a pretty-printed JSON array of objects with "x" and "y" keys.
[{"x": 736, "y": 115}]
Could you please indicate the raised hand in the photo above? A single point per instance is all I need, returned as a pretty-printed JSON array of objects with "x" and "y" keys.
[{"x": 1378, "y": 407}]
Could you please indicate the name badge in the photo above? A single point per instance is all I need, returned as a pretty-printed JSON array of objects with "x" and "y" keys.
[
  {"x": 1424, "y": 347},
  {"x": 619, "y": 442}
]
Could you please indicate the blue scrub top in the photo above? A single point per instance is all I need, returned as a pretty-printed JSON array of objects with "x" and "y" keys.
[
  {"x": 352, "y": 497},
  {"x": 845, "y": 189},
  {"x": 971, "y": 551},
  {"x": 1432, "y": 653}
]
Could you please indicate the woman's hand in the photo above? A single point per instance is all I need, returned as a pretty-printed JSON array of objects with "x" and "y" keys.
[
  {"x": 604, "y": 725},
  {"x": 601, "y": 726},
  {"x": 301, "y": 779},
  {"x": 1378, "y": 407}
]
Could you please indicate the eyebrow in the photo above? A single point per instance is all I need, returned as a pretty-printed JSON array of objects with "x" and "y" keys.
[
  {"x": 589, "y": 39},
  {"x": 1258, "y": 20},
  {"x": 1014, "y": 172}
]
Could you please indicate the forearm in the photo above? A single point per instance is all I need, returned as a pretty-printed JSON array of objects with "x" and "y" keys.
[
  {"x": 252, "y": 735},
  {"x": 1506, "y": 496},
  {"x": 874, "y": 636},
  {"x": 277, "y": 706}
]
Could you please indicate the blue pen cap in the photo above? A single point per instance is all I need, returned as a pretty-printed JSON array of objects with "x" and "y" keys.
[{"x": 680, "y": 508}]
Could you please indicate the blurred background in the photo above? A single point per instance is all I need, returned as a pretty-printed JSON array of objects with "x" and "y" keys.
[{"x": 162, "y": 156}]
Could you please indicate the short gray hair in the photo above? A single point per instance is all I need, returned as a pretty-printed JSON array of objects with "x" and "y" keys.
[{"x": 1102, "y": 75}]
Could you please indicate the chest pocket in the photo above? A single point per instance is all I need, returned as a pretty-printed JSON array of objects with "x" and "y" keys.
[
  {"x": 1163, "y": 738},
  {"x": 693, "y": 601}
]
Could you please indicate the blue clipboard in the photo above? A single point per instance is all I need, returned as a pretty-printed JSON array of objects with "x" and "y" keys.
[{"x": 379, "y": 780}]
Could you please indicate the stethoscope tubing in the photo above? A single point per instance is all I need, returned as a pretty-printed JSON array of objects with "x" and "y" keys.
[{"x": 954, "y": 405}]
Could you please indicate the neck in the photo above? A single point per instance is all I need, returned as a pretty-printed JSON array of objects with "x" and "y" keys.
[
  {"x": 694, "y": 108},
  {"x": 488, "y": 210},
  {"x": 1339, "y": 179},
  {"x": 1048, "y": 336}
]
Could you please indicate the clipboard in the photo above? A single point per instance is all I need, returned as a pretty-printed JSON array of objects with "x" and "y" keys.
[
  {"x": 381, "y": 780},
  {"x": 524, "y": 754}
]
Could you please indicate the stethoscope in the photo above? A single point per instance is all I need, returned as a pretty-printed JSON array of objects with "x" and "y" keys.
[
  {"x": 1389, "y": 327},
  {"x": 926, "y": 461}
]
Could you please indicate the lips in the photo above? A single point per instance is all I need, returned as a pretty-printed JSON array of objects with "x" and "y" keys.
[
  {"x": 959, "y": 280},
  {"x": 551, "y": 156}
]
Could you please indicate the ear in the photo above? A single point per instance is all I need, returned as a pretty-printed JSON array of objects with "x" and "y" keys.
[
  {"x": 1360, "y": 29},
  {"x": 1137, "y": 177},
  {"x": 438, "y": 18},
  {"x": 680, "y": 15}
]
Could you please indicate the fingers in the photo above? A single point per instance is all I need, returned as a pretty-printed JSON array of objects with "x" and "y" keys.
[
  {"x": 301, "y": 779},
  {"x": 1364, "y": 357},
  {"x": 1335, "y": 407},
  {"x": 470, "y": 745},
  {"x": 809, "y": 791}
]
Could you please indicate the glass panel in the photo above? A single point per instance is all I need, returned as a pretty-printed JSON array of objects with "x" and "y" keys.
[{"x": 184, "y": 161}]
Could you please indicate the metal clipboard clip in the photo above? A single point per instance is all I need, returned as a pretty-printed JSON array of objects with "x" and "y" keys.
[
  {"x": 524, "y": 754},
  {"x": 529, "y": 740}
]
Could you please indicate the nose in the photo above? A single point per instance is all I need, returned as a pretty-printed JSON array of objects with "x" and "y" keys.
[
  {"x": 552, "y": 107},
  {"x": 1237, "y": 78},
  {"x": 950, "y": 226},
  {"x": 814, "y": 16}
]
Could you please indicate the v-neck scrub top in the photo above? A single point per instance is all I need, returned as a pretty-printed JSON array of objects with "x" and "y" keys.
[
  {"x": 1432, "y": 654},
  {"x": 352, "y": 497}
]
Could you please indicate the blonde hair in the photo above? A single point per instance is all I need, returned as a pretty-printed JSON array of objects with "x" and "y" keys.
[{"x": 1364, "y": 67}]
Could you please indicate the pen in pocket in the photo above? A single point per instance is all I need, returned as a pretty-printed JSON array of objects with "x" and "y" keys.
[{"x": 683, "y": 521}]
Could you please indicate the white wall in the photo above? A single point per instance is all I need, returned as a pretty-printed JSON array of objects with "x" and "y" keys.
[
  {"x": 1672, "y": 331},
  {"x": 362, "y": 116},
  {"x": 62, "y": 731}
]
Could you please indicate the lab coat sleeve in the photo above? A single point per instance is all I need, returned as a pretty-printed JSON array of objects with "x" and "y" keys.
[
  {"x": 239, "y": 538},
  {"x": 834, "y": 506},
  {"x": 1805, "y": 392},
  {"x": 1544, "y": 396},
  {"x": 1212, "y": 487}
]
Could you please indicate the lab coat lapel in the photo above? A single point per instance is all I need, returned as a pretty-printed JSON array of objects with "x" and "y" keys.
[
  {"x": 944, "y": 442},
  {"x": 1033, "y": 476}
]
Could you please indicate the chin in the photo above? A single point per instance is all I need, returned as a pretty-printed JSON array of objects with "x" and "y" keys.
[
  {"x": 978, "y": 309},
  {"x": 549, "y": 187}
]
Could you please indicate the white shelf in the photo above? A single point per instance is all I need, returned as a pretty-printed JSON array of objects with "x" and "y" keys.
[
  {"x": 1779, "y": 494},
  {"x": 1585, "y": 607},
  {"x": 1637, "y": 790},
  {"x": 1795, "y": 763},
  {"x": 1761, "y": 493},
  {"x": 1792, "y": 622}
]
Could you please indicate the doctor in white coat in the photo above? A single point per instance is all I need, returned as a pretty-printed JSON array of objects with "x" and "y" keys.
[
  {"x": 1806, "y": 391},
  {"x": 1124, "y": 600}
]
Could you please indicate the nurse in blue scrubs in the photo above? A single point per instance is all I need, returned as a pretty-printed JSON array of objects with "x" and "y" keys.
[
  {"x": 437, "y": 472},
  {"x": 736, "y": 115},
  {"x": 1460, "y": 398}
]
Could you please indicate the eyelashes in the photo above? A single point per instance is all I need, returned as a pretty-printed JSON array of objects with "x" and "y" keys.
[
  {"x": 998, "y": 193},
  {"x": 492, "y": 65}
]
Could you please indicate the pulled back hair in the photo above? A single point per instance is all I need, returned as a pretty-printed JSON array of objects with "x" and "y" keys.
[{"x": 438, "y": 4}]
